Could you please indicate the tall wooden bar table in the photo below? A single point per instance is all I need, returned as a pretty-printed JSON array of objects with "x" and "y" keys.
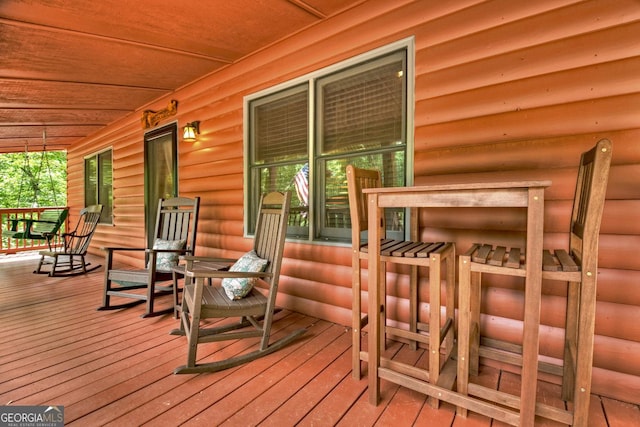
[{"x": 523, "y": 194}]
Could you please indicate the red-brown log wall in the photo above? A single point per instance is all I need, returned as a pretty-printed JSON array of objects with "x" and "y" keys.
[{"x": 503, "y": 90}]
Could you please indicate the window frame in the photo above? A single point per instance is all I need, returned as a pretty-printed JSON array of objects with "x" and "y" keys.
[
  {"x": 311, "y": 80},
  {"x": 105, "y": 218}
]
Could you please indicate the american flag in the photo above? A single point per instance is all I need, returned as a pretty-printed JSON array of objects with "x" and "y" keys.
[{"x": 301, "y": 181}]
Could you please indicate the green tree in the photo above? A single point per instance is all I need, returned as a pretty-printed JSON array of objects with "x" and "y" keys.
[{"x": 31, "y": 179}]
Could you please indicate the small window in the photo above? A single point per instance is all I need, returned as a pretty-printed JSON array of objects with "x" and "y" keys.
[
  {"x": 301, "y": 137},
  {"x": 98, "y": 183}
]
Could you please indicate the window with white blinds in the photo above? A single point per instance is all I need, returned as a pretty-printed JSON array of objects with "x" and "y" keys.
[
  {"x": 281, "y": 126},
  {"x": 363, "y": 108},
  {"x": 301, "y": 138}
]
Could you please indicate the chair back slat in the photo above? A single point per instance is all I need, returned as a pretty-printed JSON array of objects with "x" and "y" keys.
[
  {"x": 77, "y": 242},
  {"x": 271, "y": 230},
  {"x": 357, "y": 180},
  {"x": 177, "y": 220},
  {"x": 589, "y": 200}
]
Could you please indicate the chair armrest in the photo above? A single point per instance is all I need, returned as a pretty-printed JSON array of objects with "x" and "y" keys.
[
  {"x": 113, "y": 249},
  {"x": 223, "y": 274},
  {"x": 80, "y": 236},
  {"x": 16, "y": 221},
  {"x": 189, "y": 262},
  {"x": 167, "y": 250},
  {"x": 206, "y": 259}
]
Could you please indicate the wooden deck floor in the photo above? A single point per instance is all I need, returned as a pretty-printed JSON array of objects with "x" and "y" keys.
[{"x": 115, "y": 368}]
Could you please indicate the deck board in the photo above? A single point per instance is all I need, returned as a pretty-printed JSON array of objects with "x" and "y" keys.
[{"x": 116, "y": 368}]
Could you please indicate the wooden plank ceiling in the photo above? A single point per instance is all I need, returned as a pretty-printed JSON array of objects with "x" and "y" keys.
[{"x": 71, "y": 67}]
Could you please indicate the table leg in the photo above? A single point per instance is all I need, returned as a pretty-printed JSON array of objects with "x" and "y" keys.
[
  {"x": 374, "y": 298},
  {"x": 533, "y": 289},
  {"x": 464, "y": 321},
  {"x": 434, "y": 323}
]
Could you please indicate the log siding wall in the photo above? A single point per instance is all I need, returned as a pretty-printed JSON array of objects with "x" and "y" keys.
[{"x": 503, "y": 90}]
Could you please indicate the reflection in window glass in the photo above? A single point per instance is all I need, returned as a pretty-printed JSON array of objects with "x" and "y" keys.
[
  {"x": 302, "y": 138},
  {"x": 98, "y": 184}
]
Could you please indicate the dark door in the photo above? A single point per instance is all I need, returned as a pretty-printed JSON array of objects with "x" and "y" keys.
[{"x": 160, "y": 172}]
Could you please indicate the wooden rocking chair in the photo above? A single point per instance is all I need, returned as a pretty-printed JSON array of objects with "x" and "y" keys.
[
  {"x": 75, "y": 245},
  {"x": 255, "y": 310},
  {"x": 175, "y": 235}
]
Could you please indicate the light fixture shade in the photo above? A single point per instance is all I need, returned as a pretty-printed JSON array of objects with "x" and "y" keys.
[{"x": 190, "y": 132}]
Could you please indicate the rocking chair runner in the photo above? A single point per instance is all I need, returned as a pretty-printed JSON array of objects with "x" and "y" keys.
[
  {"x": 175, "y": 235},
  {"x": 46, "y": 227},
  {"x": 75, "y": 245},
  {"x": 255, "y": 310}
]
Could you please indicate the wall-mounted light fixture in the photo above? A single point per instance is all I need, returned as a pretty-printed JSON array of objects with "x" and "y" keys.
[{"x": 190, "y": 131}]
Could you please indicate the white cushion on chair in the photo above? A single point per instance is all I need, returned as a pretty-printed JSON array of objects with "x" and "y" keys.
[
  {"x": 165, "y": 261},
  {"x": 238, "y": 287}
]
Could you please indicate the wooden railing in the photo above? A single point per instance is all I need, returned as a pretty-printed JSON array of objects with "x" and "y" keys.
[{"x": 10, "y": 245}]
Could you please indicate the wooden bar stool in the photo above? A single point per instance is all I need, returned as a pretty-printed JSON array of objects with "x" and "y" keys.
[
  {"x": 427, "y": 254},
  {"x": 577, "y": 266}
]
